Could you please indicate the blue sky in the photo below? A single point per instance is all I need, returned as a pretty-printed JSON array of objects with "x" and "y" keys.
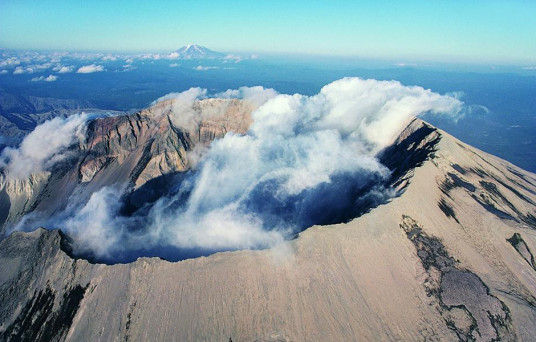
[{"x": 442, "y": 30}]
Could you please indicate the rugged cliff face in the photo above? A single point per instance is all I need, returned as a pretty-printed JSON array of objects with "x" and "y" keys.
[
  {"x": 451, "y": 258},
  {"x": 126, "y": 149}
]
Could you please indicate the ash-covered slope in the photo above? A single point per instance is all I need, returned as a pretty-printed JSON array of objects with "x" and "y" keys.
[
  {"x": 118, "y": 150},
  {"x": 449, "y": 259}
]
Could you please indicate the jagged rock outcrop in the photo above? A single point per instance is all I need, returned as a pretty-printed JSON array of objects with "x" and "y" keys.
[
  {"x": 18, "y": 197},
  {"x": 125, "y": 149},
  {"x": 447, "y": 260},
  {"x": 158, "y": 145}
]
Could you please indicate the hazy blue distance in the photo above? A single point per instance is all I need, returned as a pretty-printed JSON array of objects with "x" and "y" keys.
[{"x": 482, "y": 31}]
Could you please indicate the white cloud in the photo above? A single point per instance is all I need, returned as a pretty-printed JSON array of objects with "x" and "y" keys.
[
  {"x": 232, "y": 58},
  {"x": 93, "y": 227},
  {"x": 258, "y": 95},
  {"x": 187, "y": 96},
  {"x": 182, "y": 111},
  {"x": 11, "y": 61},
  {"x": 4, "y": 72},
  {"x": 153, "y": 56},
  {"x": 87, "y": 69},
  {"x": 529, "y": 68},
  {"x": 30, "y": 69},
  {"x": 295, "y": 149},
  {"x": 128, "y": 67},
  {"x": 305, "y": 160},
  {"x": 375, "y": 111},
  {"x": 84, "y": 56},
  {"x": 18, "y": 71},
  {"x": 109, "y": 58},
  {"x": 49, "y": 78},
  {"x": 173, "y": 65},
  {"x": 404, "y": 64},
  {"x": 61, "y": 69},
  {"x": 43, "y": 147},
  {"x": 42, "y": 66}
]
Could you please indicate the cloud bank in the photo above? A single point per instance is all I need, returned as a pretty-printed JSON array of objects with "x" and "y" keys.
[{"x": 305, "y": 160}]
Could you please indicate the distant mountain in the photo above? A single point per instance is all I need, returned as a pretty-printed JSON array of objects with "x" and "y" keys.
[
  {"x": 20, "y": 114},
  {"x": 193, "y": 51},
  {"x": 19, "y": 104}
]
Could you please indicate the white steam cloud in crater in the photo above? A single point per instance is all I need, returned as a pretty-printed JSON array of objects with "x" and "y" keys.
[
  {"x": 43, "y": 147},
  {"x": 46, "y": 145},
  {"x": 185, "y": 115},
  {"x": 301, "y": 163},
  {"x": 258, "y": 95}
]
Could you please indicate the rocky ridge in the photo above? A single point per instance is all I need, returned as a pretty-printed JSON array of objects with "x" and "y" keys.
[{"x": 124, "y": 149}]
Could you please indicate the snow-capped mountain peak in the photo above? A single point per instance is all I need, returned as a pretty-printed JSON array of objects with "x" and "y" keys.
[{"x": 193, "y": 51}]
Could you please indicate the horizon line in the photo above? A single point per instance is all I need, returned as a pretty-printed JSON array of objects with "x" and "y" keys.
[{"x": 445, "y": 59}]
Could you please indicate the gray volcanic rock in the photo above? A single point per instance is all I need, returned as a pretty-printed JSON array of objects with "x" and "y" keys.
[{"x": 443, "y": 262}]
